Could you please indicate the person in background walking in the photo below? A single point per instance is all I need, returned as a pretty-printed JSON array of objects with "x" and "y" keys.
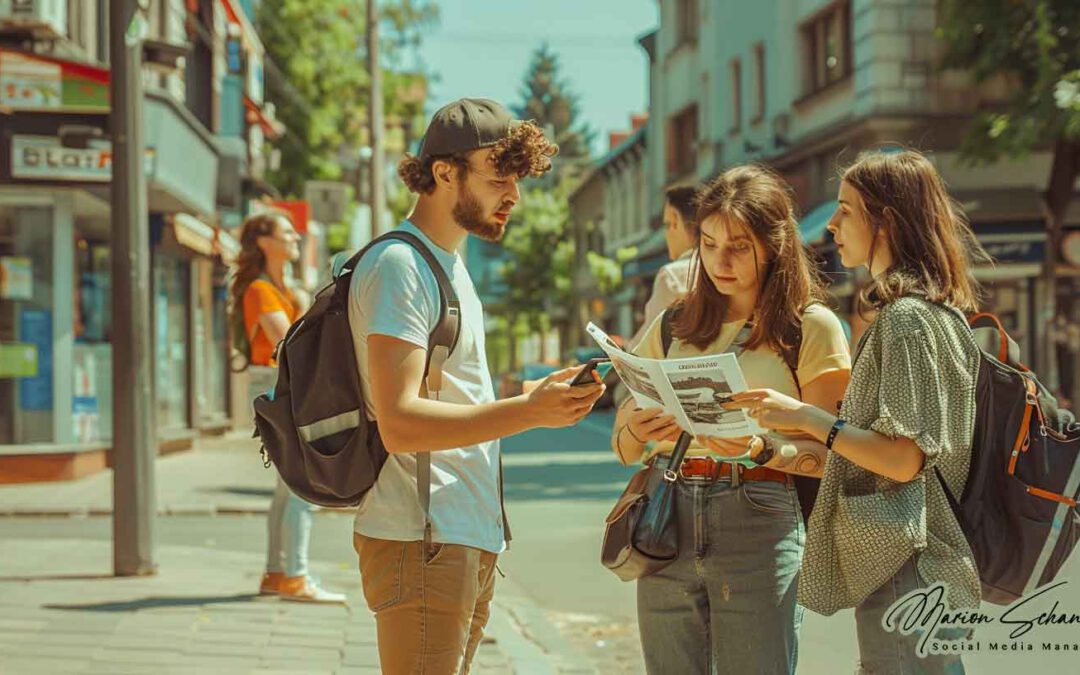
[
  {"x": 268, "y": 243},
  {"x": 673, "y": 279},
  {"x": 882, "y": 525}
]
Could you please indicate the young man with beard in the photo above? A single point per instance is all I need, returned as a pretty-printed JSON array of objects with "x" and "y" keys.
[{"x": 431, "y": 602}]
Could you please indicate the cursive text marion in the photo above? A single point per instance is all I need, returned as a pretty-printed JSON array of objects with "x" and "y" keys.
[{"x": 924, "y": 610}]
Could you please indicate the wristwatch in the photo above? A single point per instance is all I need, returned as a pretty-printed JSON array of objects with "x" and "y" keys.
[{"x": 767, "y": 451}]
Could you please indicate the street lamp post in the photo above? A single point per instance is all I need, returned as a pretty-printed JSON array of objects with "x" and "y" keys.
[
  {"x": 376, "y": 128},
  {"x": 133, "y": 426}
]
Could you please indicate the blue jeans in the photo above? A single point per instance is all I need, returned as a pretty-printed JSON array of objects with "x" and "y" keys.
[
  {"x": 289, "y": 527},
  {"x": 884, "y": 652},
  {"x": 727, "y": 603}
]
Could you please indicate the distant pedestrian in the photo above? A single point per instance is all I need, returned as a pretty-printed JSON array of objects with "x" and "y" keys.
[
  {"x": 882, "y": 526},
  {"x": 680, "y": 233},
  {"x": 268, "y": 243}
]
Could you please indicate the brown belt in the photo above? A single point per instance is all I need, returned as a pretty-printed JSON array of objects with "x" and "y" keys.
[{"x": 707, "y": 469}]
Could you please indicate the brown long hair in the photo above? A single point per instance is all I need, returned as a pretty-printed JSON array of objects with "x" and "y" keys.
[
  {"x": 932, "y": 245},
  {"x": 758, "y": 199},
  {"x": 251, "y": 262}
]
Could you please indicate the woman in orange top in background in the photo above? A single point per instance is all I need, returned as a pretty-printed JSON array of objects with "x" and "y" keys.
[{"x": 268, "y": 242}]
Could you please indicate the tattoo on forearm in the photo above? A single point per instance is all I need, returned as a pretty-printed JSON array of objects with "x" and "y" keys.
[{"x": 807, "y": 460}]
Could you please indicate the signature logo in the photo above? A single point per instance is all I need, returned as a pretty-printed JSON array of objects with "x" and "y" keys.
[{"x": 924, "y": 611}]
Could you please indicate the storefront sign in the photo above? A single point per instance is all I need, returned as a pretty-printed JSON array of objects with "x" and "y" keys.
[
  {"x": 16, "y": 278},
  {"x": 29, "y": 81},
  {"x": 1016, "y": 251},
  {"x": 35, "y": 328},
  {"x": 44, "y": 158},
  {"x": 18, "y": 360}
]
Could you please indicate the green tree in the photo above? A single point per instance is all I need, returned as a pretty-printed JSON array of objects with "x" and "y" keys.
[
  {"x": 547, "y": 97},
  {"x": 317, "y": 79},
  {"x": 1035, "y": 45},
  {"x": 537, "y": 269}
]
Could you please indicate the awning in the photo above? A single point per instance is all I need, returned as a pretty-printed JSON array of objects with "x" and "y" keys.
[
  {"x": 227, "y": 246},
  {"x": 652, "y": 254},
  {"x": 193, "y": 233},
  {"x": 643, "y": 267},
  {"x": 812, "y": 226}
]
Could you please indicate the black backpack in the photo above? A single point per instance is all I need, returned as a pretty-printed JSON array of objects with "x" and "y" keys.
[
  {"x": 1018, "y": 507},
  {"x": 313, "y": 425},
  {"x": 805, "y": 486}
]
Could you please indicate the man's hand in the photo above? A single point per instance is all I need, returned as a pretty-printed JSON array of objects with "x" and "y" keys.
[{"x": 553, "y": 403}]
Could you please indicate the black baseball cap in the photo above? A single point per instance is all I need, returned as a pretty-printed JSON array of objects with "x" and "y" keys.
[{"x": 464, "y": 125}]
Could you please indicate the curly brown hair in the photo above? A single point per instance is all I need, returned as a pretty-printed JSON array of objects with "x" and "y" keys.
[{"x": 525, "y": 152}]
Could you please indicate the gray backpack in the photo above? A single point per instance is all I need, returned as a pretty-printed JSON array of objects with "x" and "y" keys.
[{"x": 313, "y": 424}]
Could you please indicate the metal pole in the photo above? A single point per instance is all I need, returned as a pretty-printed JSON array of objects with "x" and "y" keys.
[
  {"x": 375, "y": 121},
  {"x": 134, "y": 446}
]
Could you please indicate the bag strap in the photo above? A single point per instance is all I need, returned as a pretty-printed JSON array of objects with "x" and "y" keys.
[{"x": 441, "y": 344}]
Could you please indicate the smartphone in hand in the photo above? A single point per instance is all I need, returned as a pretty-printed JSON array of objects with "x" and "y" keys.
[{"x": 585, "y": 376}]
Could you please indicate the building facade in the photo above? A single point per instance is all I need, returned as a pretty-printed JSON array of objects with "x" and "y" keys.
[
  {"x": 204, "y": 125},
  {"x": 804, "y": 86}
]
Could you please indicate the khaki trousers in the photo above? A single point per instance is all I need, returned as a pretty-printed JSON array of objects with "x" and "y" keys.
[{"x": 430, "y": 613}]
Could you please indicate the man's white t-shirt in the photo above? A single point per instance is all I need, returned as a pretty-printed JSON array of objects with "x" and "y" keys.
[{"x": 394, "y": 293}]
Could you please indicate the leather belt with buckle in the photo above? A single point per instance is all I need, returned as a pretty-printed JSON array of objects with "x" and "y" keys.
[{"x": 708, "y": 470}]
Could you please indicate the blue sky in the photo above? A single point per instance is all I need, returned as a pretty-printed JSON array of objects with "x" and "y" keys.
[{"x": 483, "y": 48}]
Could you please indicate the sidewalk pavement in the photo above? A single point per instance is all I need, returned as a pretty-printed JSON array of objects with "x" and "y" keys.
[
  {"x": 225, "y": 476},
  {"x": 221, "y": 475},
  {"x": 62, "y": 612}
]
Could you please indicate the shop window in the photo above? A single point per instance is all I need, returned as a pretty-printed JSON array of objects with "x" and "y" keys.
[
  {"x": 92, "y": 357},
  {"x": 210, "y": 333},
  {"x": 27, "y": 396},
  {"x": 736, "y": 96},
  {"x": 759, "y": 83},
  {"x": 171, "y": 282},
  {"x": 682, "y": 143},
  {"x": 686, "y": 22},
  {"x": 827, "y": 48}
]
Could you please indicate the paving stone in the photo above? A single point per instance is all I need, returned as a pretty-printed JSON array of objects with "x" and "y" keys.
[
  {"x": 212, "y": 637},
  {"x": 138, "y": 656},
  {"x": 42, "y": 665},
  {"x": 298, "y": 666},
  {"x": 367, "y": 655},
  {"x": 22, "y": 625},
  {"x": 224, "y": 649},
  {"x": 54, "y": 651},
  {"x": 302, "y": 653},
  {"x": 328, "y": 642},
  {"x": 309, "y": 631}
]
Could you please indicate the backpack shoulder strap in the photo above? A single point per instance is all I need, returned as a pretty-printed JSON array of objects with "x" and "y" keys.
[
  {"x": 444, "y": 336},
  {"x": 667, "y": 319}
]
